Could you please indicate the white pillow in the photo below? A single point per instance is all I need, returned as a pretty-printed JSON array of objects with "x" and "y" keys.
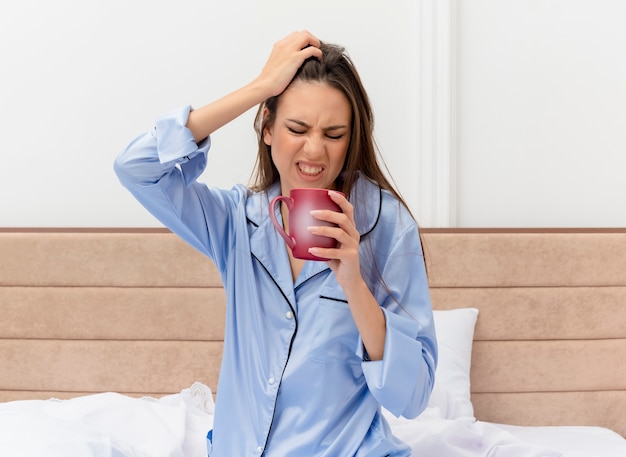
[{"x": 455, "y": 334}]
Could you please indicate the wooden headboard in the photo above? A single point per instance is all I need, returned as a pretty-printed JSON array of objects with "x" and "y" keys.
[{"x": 139, "y": 312}]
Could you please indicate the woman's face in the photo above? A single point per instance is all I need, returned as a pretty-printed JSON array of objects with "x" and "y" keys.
[{"x": 310, "y": 135}]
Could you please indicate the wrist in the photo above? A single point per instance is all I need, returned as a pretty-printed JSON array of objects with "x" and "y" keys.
[{"x": 261, "y": 88}]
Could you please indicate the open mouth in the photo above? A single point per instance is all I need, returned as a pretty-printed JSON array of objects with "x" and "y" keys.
[{"x": 310, "y": 170}]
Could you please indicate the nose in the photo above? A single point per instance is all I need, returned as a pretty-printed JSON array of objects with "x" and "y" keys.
[{"x": 314, "y": 145}]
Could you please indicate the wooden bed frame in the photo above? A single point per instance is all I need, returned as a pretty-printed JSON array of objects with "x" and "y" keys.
[{"x": 139, "y": 312}]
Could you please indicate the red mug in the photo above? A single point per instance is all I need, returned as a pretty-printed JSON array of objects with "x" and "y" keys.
[{"x": 300, "y": 203}]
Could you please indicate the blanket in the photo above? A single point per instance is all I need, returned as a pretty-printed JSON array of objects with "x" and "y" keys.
[{"x": 115, "y": 425}]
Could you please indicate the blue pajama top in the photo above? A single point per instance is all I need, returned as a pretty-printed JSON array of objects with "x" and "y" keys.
[{"x": 294, "y": 379}]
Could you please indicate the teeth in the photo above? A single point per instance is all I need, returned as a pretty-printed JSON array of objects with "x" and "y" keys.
[{"x": 310, "y": 170}]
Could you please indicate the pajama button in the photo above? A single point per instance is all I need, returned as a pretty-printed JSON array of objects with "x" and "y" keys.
[
  {"x": 289, "y": 315},
  {"x": 271, "y": 380},
  {"x": 259, "y": 448}
]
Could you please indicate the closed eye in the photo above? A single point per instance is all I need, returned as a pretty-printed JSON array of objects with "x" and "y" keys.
[{"x": 295, "y": 131}]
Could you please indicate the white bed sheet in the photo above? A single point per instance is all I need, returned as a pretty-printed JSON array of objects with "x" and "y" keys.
[
  {"x": 114, "y": 425},
  {"x": 573, "y": 441},
  {"x": 430, "y": 435}
]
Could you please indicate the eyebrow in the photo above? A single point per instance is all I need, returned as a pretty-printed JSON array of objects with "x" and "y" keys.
[{"x": 304, "y": 124}]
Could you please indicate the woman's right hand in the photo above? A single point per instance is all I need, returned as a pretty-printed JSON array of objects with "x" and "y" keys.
[{"x": 286, "y": 57}]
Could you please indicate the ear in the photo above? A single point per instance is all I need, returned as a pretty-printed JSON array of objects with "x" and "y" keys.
[{"x": 267, "y": 131}]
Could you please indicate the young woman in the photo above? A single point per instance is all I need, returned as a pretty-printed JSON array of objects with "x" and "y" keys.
[{"x": 312, "y": 349}]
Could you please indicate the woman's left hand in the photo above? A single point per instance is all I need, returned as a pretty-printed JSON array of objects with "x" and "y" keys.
[{"x": 344, "y": 259}]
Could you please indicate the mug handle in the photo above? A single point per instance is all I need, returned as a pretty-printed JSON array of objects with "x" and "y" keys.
[{"x": 290, "y": 240}]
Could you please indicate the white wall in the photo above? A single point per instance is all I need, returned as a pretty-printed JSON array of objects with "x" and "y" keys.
[
  {"x": 536, "y": 117},
  {"x": 80, "y": 79},
  {"x": 541, "y": 113}
]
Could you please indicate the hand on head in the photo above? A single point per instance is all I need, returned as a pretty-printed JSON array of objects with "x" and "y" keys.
[{"x": 286, "y": 57}]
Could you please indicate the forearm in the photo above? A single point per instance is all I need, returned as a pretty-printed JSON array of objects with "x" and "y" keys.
[
  {"x": 369, "y": 319},
  {"x": 205, "y": 120}
]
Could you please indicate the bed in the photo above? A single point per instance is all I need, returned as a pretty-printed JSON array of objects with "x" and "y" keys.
[{"x": 107, "y": 348}]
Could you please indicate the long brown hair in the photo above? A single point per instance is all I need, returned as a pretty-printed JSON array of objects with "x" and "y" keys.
[{"x": 337, "y": 71}]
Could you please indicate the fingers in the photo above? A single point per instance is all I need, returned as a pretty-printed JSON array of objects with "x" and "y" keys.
[
  {"x": 344, "y": 237},
  {"x": 304, "y": 39},
  {"x": 345, "y": 231},
  {"x": 302, "y": 45},
  {"x": 286, "y": 57},
  {"x": 311, "y": 51},
  {"x": 310, "y": 46},
  {"x": 342, "y": 201},
  {"x": 344, "y": 259},
  {"x": 347, "y": 250},
  {"x": 340, "y": 220}
]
